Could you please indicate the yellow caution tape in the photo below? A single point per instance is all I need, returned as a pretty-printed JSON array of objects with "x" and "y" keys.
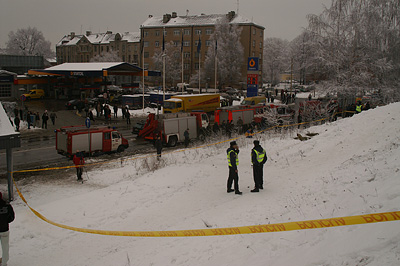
[{"x": 255, "y": 229}]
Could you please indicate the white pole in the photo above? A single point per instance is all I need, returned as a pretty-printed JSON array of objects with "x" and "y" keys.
[
  {"x": 182, "y": 60},
  {"x": 143, "y": 68},
  {"x": 163, "y": 77},
  {"x": 215, "y": 81}
]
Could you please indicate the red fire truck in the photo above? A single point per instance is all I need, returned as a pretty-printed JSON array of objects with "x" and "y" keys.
[{"x": 95, "y": 140}]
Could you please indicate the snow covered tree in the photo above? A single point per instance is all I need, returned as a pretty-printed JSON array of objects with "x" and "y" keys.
[
  {"x": 356, "y": 44},
  {"x": 276, "y": 59},
  {"x": 111, "y": 56},
  {"x": 229, "y": 54},
  {"x": 173, "y": 67},
  {"x": 29, "y": 41}
]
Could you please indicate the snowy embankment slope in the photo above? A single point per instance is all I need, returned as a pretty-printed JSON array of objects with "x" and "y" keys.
[{"x": 352, "y": 167}]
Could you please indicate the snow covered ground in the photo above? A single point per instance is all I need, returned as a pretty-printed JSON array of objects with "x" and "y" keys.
[{"x": 352, "y": 167}]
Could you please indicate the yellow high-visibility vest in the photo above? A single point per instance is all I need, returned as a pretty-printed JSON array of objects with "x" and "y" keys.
[
  {"x": 229, "y": 159},
  {"x": 260, "y": 155},
  {"x": 359, "y": 108}
]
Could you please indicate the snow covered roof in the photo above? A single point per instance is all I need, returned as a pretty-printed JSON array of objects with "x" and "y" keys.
[
  {"x": 6, "y": 73},
  {"x": 99, "y": 38},
  {"x": 196, "y": 20},
  {"x": 97, "y": 66},
  {"x": 6, "y": 128}
]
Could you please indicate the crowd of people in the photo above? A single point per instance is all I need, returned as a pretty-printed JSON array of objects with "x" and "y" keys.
[{"x": 33, "y": 119}]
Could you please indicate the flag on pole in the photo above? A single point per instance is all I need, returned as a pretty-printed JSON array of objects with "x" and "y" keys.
[
  {"x": 199, "y": 46},
  {"x": 216, "y": 45}
]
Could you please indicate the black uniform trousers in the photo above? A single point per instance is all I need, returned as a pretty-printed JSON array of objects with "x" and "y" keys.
[
  {"x": 258, "y": 175},
  {"x": 233, "y": 178}
]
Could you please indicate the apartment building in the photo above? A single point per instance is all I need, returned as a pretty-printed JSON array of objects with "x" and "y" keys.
[
  {"x": 83, "y": 48},
  {"x": 193, "y": 27}
]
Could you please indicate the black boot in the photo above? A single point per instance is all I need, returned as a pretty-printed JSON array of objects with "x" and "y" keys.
[
  {"x": 230, "y": 190},
  {"x": 255, "y": 190},
  {"x": 261, "y": 187},
  {"x": 237, "y": 192}
]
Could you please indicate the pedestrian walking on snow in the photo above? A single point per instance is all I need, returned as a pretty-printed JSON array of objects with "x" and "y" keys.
[
  {"x": 6, "y": 216},
  {"x": 258, "y": 159},
  {"x": 37, "y": 119},
  {"x": 115, "y": 111},
  {"x": 233, "y": 163},
  {"x": 187, "y": 137},
  {"x": 158, "y": 145},
  {"x": 79, "y": 162}
]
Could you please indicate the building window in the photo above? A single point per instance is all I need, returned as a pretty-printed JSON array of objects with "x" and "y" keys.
[
  {"x": 102, "y": 48},
  {"x": 157, "y": 44},
  {"x": 186, "y": 66},
  {"x": 261, "y": 45},
  {"x": 146, "y": 54},
  {"x": 197, "y": 32},
  {"x": 209, "y": 31},
  {"x": 208, "y": 43},
  {"x": 123, "y": 58},
  {"x": 146, "y": 66},
  {"x": 254, "y": 31},
  {"x": 186, "y": 77},
  {"x": 196, "y": 66},
  {"x": 254, "y": 54},
  {"x": 177, "y": 32},
  {"x": 135, "y": 58},
  {"x": 108, "y": 49},
  {"x": 157, "y": 33},
  {"x": 197, "y": 55},
  {"x": 186, "y": 54},
  {"x": 186, "y": 43},
  {"x": 145, "y": 33},
  {"x": 261, "y": 33},
  {"x": 5, "y": 90},
  {"x": 260, "y": 55},
  {"x": 146, "y": 44},
  {"x": 176, "y": 43},
  {"x": 165, "y": 32},
  {"x": 95, "y": 48},
  {"x": 196, "y": 43},
  {"x": 254, "y": 43},
  {"x": 186, "y": 32}
]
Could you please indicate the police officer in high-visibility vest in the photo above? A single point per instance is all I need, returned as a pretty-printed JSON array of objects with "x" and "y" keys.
[
  {"x": 233, "y": 162},
  {"x": 258, "y": 159},
  {"x": 359, "y": 107}
]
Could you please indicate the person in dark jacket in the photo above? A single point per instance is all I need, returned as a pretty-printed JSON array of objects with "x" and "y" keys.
[
  {"x": 115, "y": 111},
  {"x": 53, "y": 117},
  {"x": 17, "y": 122},
  {"x": 159, "y": 146},
  {"x": 258, "y": 159},
  {"x": 37, "y": 120},
  {"x": 233, "y": 162},
  {"x": 79, "y": 162},
  {"x": 28, "y": 119},
  {"x": 6, "y": 216},
  {"x": 45, "y": 118},
  {"x": 187, "y": 137},
  {"x": 216, "y": 128}
]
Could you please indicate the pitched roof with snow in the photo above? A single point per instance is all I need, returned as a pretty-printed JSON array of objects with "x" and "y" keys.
[
  {"x": 197, "y": 20},
  {"x": 99, "y": 38}
]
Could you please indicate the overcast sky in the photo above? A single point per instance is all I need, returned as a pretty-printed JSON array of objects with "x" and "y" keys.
[{"x": 56, "y": 18}]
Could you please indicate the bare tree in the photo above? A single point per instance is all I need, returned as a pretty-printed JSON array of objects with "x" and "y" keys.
[
  {"x": 173, "y": 68},
  {"x": 29, "y": 41},
  {"x": 276, "y": 59},
  {"x": 229, "y": 53},
  {"x": 111, "y": 56}
]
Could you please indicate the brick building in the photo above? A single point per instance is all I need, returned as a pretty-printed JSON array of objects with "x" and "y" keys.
[
  {"x": 74, "y": 48},
  {"x": 193, "y": 27}
]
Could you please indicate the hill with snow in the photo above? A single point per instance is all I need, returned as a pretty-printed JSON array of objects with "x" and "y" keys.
[{"x": 351, "y": 167}]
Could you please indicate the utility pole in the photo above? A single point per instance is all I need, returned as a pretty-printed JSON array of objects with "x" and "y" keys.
[{"x": 291, "y": 75}]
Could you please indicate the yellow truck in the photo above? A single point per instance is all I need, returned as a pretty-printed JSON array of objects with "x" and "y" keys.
[{"x": 193, "y": 102}]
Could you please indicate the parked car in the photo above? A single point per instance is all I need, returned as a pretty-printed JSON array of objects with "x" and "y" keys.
[
  {"x": 138, "y": 127},
  {"x": 233, "y": 91},
  {"x": 34, "y": 94},
  {"x": 75, "y": 104}
]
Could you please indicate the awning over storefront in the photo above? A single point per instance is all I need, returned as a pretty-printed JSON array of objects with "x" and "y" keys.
[{"x": 98, "y": 69}]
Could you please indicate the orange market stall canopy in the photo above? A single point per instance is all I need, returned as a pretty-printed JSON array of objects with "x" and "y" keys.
[{"x": 97, "y": 69}]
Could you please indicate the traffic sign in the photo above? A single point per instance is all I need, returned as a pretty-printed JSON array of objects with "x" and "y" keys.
[
  {"x": 252, "y": 64},
  {"x": 87, "y": 122},
  {"x": 23, "y": 98}
]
